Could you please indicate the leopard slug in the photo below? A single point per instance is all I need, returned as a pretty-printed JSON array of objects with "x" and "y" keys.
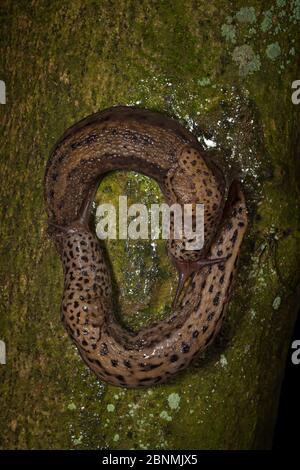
[{"x": 127, "y": 138}]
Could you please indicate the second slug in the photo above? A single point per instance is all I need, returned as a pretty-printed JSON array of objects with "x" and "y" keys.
[{"x": 140, "y": 140}]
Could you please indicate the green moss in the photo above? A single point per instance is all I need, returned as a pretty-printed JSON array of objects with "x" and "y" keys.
[
  {"x": 251, "y": 37},
  {"x": 90, "y": 55},
  {"x": 143, "y": 277}
]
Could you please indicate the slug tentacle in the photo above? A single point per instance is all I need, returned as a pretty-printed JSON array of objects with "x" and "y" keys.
[
  {"x": 186, "y": 268},
  {"x": 134, "y": 139}
]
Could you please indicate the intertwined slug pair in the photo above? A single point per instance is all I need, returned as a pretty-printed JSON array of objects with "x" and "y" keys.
[{"x": 126, "y": 138}]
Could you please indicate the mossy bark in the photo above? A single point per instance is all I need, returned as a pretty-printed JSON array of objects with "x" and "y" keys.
[{"x": 223, "y": 69}]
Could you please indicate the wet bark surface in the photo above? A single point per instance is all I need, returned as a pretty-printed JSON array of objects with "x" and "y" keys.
[{"x": 223, "y": 69}]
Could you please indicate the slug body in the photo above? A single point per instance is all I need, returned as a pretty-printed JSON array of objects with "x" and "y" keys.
[{"x": 140, "y": 140}]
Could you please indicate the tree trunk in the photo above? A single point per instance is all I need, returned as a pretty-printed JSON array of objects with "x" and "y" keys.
[{"x": 223, "y": 70}]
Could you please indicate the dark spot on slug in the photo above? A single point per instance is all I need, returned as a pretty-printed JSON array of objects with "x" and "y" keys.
[
  {"x": 185, "y": 347},
  {"x": 234, "y": 237},
  {"x": 104, "y": 349},
  {"x": 120, "y": 378},
  {"x": 210, "y": 316},
  {"x": 174, "y": 358},
  {"x": 216, "y": 299}
]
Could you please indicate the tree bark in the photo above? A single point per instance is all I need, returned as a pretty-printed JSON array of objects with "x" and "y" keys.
[{"x": 223, "y": 69}]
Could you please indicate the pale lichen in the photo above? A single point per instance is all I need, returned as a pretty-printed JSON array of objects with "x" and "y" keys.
[
  {"x": 173, "y": 401},
  {"x": 229, "y": 32},
  {"x": 247, "y": 60},
  {"x": 246, "y": 15},
  {"x": 110, "y": 408},
  {"x": 88, "y": 58},
  {"x": 273, "y": 51}
]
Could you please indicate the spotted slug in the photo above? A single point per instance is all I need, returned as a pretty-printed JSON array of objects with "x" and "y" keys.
[{"x": 127, "y": 138}]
